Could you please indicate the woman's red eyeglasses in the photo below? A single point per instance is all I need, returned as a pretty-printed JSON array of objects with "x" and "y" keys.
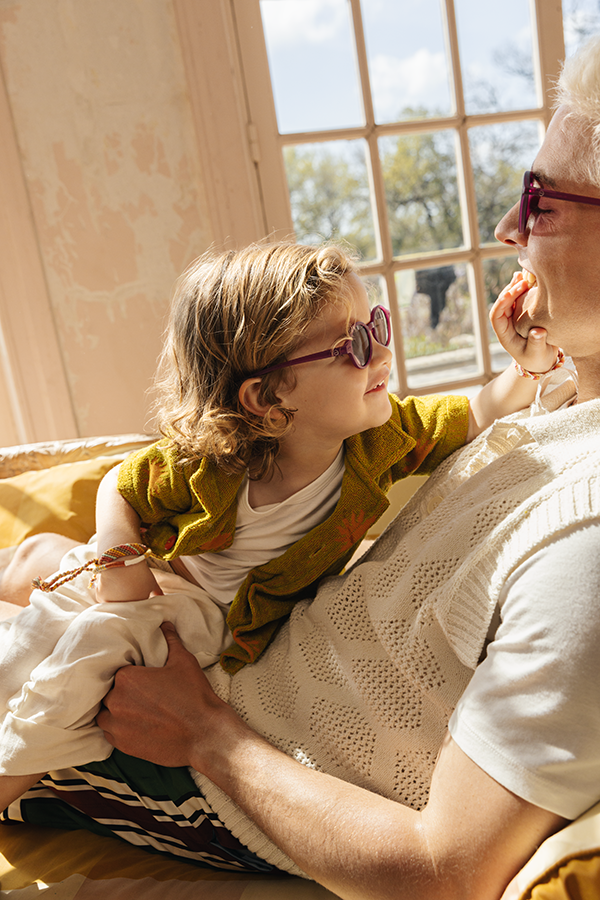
[{"x": 531, "y": 195}]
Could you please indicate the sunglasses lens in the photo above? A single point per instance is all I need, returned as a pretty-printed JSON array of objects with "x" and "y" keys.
[
  {"x": 361, "y": 348},
  {"x": 381, "y": 328}
]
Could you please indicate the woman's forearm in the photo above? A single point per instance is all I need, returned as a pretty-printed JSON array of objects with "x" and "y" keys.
[
  {"x": 467, "y": 844},
  {"x": 350, "y": 840}
]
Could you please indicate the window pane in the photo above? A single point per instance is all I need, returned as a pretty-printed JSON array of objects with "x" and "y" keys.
[
  {"x": 581, "y": 19},
  {"x": 496, "y": 275},
  {"x": 329, "y": 194},
  {"x": 377, "y": 293},
  {"x": 312, "y": 59},
  {"x": 419, "y": 173},
  {"x": 496, "y": 54},
  {"x": 407, "y": 59},
  {"x": 437, "y": 324},
  {"x": 500, "y": 154}
]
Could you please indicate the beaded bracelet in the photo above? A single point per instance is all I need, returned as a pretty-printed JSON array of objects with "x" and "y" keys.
[
  {"x": 121, "y": 555},
  {"x": 525, "y": 373}
]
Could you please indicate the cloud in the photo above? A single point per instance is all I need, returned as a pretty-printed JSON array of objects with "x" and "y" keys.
[
  {"x": 303, "y": 21},
  {"x": 417, "y": 80}
]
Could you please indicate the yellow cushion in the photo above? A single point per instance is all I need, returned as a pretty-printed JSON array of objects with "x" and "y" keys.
[
  {"x": 565, "y": 866},
  {"x": 29, "y": 853},
  {"x": 578, "y": 878},
  {"x": 79, "y": 863},
  {"x": 60, "y": 499}
]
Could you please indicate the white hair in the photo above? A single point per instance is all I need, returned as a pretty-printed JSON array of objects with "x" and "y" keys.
[{"x": 578, "y": 90}]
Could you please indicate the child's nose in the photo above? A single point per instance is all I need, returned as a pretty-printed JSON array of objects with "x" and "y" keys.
[{"x": 381, "y": 354}]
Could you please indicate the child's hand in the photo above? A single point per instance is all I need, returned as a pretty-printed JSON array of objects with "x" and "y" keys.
[{"x": 532, "y": 352}]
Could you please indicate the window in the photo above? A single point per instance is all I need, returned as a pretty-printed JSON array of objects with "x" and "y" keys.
[{"x": 404, "y": 128}]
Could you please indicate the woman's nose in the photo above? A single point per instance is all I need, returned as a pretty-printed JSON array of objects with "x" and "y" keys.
[{"x": 507, "y": 229}]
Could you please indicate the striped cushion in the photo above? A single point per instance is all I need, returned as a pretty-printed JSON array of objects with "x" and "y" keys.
[{"x": 157, "y": 808}]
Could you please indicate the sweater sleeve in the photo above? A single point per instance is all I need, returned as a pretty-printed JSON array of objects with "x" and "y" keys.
[
  {"x": 154, "y": 483},
  {"x": 438, "y": 424}
]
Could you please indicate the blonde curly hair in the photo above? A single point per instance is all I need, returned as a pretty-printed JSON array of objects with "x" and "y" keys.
[{"x": 234, "y": 314}]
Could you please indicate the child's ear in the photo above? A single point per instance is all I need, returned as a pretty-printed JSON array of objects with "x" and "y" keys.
[{"x": 248, "y": 397}]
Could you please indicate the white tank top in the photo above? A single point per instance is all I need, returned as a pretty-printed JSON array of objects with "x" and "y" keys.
[{"x": 266, "y": 532}]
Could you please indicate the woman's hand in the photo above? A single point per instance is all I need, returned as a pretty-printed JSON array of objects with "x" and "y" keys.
[
  {"x": 532, "y": 352},
  {"x": 163, "y": 714}
]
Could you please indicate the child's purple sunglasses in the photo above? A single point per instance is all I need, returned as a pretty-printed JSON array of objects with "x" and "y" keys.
[{"x": 359, "y": 347}]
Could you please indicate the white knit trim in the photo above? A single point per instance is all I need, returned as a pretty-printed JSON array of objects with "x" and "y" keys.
[
  {"x": 243, "y": 828},
  {"x": 237, "y": 822}
]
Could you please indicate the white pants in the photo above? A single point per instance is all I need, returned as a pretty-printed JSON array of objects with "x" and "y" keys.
[{"x": 59, "y": 655}]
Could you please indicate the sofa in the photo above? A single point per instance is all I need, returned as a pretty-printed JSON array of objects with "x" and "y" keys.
[{"x": 52, "y": 487}]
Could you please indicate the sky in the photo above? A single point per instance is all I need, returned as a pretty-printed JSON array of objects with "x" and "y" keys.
[{"x": 313, "y": 67}]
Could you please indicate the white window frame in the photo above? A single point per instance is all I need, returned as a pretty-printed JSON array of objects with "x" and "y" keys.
[{"x": 268, "y": 144}]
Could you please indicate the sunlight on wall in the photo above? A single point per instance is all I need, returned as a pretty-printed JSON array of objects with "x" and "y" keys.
[{"x": 98, "y": 98}]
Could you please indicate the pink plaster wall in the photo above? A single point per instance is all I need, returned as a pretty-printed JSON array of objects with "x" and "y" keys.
[{"x": 101, "y": 112}]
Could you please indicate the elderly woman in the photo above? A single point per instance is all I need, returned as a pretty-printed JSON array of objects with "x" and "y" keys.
[{"x": 433, "y": 715}]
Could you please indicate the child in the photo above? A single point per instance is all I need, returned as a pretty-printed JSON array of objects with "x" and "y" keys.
[{"x": 280, "y": 443}]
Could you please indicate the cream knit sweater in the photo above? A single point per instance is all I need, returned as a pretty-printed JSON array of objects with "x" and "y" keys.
[{"x": 361, "y": 682}]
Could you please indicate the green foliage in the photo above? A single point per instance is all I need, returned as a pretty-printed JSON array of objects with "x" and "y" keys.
[
  {"x": 329, "y": 195},
  {"x": 419, "y": 172},
  {"x": 497, "y": 159},
  {"x": 421, "y": 345}
]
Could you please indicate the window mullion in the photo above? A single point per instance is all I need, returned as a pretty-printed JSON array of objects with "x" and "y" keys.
[
  {"x": 466, "y": 187},
  {"x": 453, "y": 53},
  {"x": 261, "y": 117},
  {"x": 361, "y": 60},
  {"x": 376, "y": 186},
  {"x": 378, "y": 196},
  {"x": 549, "y": 50}
]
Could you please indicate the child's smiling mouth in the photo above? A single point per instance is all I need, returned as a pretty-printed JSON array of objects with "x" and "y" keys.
[{"x": 380, "y": 386}]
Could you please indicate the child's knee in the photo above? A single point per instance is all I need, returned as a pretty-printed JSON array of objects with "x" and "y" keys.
[
  {"x": 37, "y": 555},
  {"x": 33, "y": 545}
]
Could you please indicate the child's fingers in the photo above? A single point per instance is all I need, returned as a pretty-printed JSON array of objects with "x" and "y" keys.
[
  {"x": 502, "y": 315},
  {"x": 515, "y": 282},
  {"x": 502, "y": 308},
  {"x": 538, "y": 334},
  {"x": 508, "y": 297},
  {"x": 512, "y": 291},
  {"x": 538, "y": 355},
  {"x": 502, "y": 312}
]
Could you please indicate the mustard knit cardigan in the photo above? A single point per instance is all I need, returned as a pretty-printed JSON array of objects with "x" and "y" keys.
[{"x": 191, "y": 509}]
